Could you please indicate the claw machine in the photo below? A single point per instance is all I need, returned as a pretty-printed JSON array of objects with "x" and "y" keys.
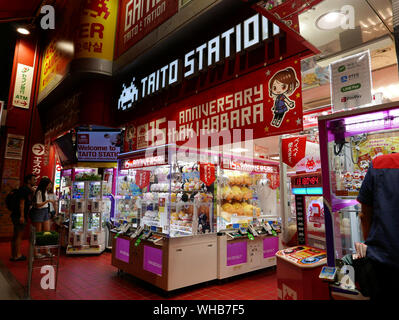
[
  {"x": 88, "y": 210},
  {"x": 166, "y": 217},
  {"x": 247, "y": 215},
  {"x": 350, "y": 140}
]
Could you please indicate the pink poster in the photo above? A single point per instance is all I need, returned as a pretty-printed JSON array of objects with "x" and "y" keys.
[
  {"x": 236, "y": 253},
  {"x": 270, "y": 247},
  {"x": 122, "y": 250},
  {"x": 153, "y": 260}
]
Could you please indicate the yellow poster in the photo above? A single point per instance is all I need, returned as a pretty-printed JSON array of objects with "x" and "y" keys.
[
  {"x": 374, "y": 146},
  {"x": 96, "y": 36}
]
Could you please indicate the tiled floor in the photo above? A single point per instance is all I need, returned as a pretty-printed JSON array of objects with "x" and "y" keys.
[{"x": 93, "y": 277}]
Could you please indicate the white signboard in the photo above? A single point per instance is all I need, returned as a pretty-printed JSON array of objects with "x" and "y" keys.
[
  {"x": 23, "y": 86},
  {"x": 98, "y": 146},
  {"x": 351, "y": 82}
]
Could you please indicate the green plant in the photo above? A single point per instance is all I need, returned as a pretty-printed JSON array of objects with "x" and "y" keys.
[{"x": 46, "y": 238}]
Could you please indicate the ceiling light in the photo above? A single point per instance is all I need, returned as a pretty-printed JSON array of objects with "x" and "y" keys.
[
  {"x": 330, "y": 20},
  {"x": 238, "y": 150},
  {"x": 23, "y": 30}
]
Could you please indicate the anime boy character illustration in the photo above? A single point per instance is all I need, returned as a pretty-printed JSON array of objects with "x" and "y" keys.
[{"x": 281, "y": 86}]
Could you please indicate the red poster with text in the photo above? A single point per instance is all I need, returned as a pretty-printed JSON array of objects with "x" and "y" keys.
[
  {"x": 137, "y": 18},
  {"x": 143, "y": 178},
  {"x": 294, "y": 150},
  {"x": 207, "y": 173},
  {"x": 265, "y": 102}
]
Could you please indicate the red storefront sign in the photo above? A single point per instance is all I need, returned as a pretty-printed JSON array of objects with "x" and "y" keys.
[
  {"x": 263, "y": 103},
  {"x": 143, "y": 178},
  {"x": 294, "y": 150},
  {"x": 144, "y": 162},
  {"x": 207, "y": 173},
  {"x": 139, "y": 17},
  {"x": 248, "y": 167}
]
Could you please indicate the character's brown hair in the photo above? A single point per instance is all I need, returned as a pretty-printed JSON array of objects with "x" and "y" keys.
[{"x": 286, "y": 76}]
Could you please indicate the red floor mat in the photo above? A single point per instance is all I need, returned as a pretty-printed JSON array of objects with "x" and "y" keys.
[{"x": 93, "y": 277}]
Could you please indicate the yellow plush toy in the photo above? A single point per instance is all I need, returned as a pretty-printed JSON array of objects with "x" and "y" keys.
[
  {"x": 246, "y": 193},
  {"x": 236, "y": 191}
]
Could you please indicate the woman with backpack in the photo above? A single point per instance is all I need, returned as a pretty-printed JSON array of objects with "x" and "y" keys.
[{"x": 40, "y": 214}]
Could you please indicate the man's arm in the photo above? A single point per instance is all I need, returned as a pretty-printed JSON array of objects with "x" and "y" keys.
[{"x": 366, "y": 216}]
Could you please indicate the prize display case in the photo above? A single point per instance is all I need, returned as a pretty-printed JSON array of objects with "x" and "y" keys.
[
  {"x": 166, "y": 217},
  {"x": 247, "y": 215},
  {"x": 350, "y": 140},
  {"x": 169, "y": 199}
]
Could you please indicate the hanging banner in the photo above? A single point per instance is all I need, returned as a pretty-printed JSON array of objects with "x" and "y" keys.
[
  {"x": 351, "y": 83},
  {"x": 311, "y": 162},
  {"x": 23, "y": 86},
  {"x": 138, "y": 18},
  {"x": 263, "y": 103},
  {"x": 207, "y": 173},
  {"x": 293, "y": 150},
  {"x": 143, "y": 178},
  {"x": 274, "y": 180},
  {"x": 96, "y": 35}
]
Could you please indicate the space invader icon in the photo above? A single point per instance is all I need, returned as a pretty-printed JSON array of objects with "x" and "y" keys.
[
  {"x": 96, "y": 8},
  {"x": 129, "y": 96},
  {"x": 289, "y": 294}
]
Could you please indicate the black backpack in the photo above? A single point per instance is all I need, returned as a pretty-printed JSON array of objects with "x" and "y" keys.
[{"x": 12, "y": 200}]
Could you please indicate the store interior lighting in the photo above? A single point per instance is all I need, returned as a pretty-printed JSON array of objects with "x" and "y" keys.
[
  {"x": 239, "y": 150},
  {"x": 23, "y": 31},
  {"x": 330, "y": 20}
]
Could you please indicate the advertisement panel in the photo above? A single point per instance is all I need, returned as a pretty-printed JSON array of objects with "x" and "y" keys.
[
  {"x": 351, "y": 82},
  {"x": 122, "y": 251},
  {"x": 59, "y": 51},
  {"x": 96, "y": 35},
  {"x": 139, "y": 17},
  {"x": 263, "y": 103},
  {"x": 98, "y": 146},
  {"x": 14, "y": 146},
  {"x": 270, "y": 247},
  {"x": 152, "y": 260},
  {"x": 236, "y": 253},
  {"x": 23, "y": 86}
]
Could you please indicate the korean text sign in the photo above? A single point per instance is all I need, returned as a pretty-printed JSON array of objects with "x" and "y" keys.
[
  {"x": 98, "y": 146},
  {"x": 351, "y": 82}
]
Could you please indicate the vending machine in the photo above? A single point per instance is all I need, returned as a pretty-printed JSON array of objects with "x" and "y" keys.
[{"x": 349, "y": 141}]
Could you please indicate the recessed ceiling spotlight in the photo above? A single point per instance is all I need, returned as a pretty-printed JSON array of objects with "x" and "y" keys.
[
  {"x": 23, "y": 30},
  {"x": 330, "y": 20}
]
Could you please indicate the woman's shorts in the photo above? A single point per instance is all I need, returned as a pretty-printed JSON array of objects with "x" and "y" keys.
[{"x": 40, "y": 215}]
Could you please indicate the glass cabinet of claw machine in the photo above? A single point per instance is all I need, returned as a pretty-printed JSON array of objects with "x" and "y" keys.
[
  {"x": 349, "y": 142},
  {"x": 163, "y": 192},
  {"x": 248, "y": 193}
]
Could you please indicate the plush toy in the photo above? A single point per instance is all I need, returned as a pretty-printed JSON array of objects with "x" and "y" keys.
[
  {"x": 236, "y": 192},
  {"x": 246, "y": 193}
]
